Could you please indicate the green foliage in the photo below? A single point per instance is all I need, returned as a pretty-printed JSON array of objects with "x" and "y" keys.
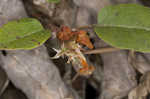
[
  {"x": 25, "y": 33},
  {"x": 53, "y": 1},
  {"x": 126, "y": 26}
]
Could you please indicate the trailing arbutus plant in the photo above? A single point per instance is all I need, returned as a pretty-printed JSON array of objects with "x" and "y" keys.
[{"x": 123, "y": 26}]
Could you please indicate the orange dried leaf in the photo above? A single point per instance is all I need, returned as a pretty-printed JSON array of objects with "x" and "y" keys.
[
  {"x": 84, "y": 63},
  {"x": 65, "y": 33},
  {"x": 86, "y": 69},
  {"x": 83, "y": 38}
]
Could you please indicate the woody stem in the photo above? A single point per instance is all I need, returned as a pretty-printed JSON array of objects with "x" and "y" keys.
[{"x": 100, "y": 50}]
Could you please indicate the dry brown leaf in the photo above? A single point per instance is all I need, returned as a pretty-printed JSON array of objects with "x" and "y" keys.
[
  {"x": 83, "y": 38},
  {"x": 80, "y": 36},
  {"x": 86, "y": 69},
  {"x": 65, "y": 33},
  {"x": 142, "y": 90}
]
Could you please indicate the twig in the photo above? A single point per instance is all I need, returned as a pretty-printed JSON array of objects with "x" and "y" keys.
[{"x": 100, "y": 50}]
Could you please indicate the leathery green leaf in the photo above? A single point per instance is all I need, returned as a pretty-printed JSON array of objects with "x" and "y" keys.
[
  {"x": 125, "y": 26},
  {"x": 26, "y": 33}
]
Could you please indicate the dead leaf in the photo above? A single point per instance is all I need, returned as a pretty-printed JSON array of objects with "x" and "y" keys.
[
  {"x": 65, "y": 33},
  {"x": 83, "y": 38},
  {"x": 80, "y": 36},
  {"x": 143, "y": 89},
  {"x": 86, "y": 69}
]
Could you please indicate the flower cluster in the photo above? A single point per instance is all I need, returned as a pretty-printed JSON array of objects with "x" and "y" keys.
[{"x": 71, "y": 41}]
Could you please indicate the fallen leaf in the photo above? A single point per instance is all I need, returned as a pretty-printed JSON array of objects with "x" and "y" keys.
[{"x": 143, "y": 89}]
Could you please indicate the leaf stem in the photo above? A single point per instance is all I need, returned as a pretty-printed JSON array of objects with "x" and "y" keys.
[
  {"x": 86, "y": 26},
  {"x": 100, "y": 50}
]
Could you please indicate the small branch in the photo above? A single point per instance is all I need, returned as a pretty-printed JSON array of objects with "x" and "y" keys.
[{"x": 100, "y": 50}]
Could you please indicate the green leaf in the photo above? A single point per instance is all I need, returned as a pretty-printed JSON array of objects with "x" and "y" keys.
[
  {"x": 126, "y": 26},
  {"x": 26, "y": 33},
  {"x": 53, "y": 1}
]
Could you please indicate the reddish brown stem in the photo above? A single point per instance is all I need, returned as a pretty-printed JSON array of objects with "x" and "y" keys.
[{"x": 100, "y": 50}]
